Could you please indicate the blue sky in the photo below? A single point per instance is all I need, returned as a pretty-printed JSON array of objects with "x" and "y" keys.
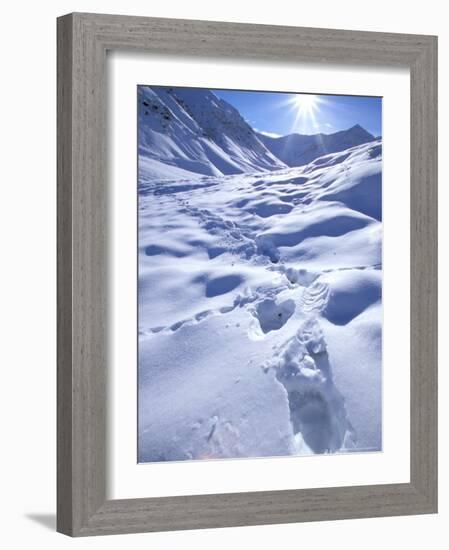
[{"x": 285, "y": 113}]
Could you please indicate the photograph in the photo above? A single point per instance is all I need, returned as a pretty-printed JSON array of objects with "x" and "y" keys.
[{"x": 259, "y": 274}]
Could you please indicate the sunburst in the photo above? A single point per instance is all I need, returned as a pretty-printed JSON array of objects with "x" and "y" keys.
[
  {"x": 306, "y": 104},
  {"x": 306, "y": 107}
]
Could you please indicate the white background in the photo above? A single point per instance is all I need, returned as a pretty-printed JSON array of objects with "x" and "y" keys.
[
  {"x": 131, "y": 480},
  {"x": 27, "y": 299}
]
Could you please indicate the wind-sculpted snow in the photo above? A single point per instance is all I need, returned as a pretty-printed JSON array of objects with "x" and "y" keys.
[{"x": 260, "y": 309}]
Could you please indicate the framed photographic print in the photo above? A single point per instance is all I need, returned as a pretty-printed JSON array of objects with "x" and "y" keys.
[{"x": 246, "y": 274}]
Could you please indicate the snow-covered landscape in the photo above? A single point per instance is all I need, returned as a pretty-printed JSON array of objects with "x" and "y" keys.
[{"x": 260, "y": 282}]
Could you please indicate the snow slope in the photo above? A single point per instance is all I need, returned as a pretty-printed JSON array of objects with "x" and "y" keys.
[
  {"x": 190, "y": 131},
  {"x": 259, "y": 302},
  {"x": 298, "y": 149}
]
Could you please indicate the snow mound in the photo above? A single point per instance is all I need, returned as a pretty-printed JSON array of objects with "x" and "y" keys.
[{"x": 351, "y": 294}]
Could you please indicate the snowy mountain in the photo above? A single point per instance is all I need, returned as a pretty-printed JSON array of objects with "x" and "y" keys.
[
  {"x": 297, "y": 149},
  {"x": 185, "y": 131}
]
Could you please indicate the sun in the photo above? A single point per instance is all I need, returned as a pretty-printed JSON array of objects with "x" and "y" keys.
[
  {"x": 305, "y": 110},
  {"x": 306, "y": 104}
]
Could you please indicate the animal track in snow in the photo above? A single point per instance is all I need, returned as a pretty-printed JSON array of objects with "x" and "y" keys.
[
  {"x": 297, "y": 276},
  {"x": 222, "y": 439},
  {"x": 234, "y": 239},
  {"x": 315, "y": 297},
  {"x": 317, "y": 408},
  {"x": 272, "y": 315}
]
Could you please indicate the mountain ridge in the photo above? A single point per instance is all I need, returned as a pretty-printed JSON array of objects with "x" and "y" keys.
[
  {"x": 300, "y": 149},
  {"x": 194, "y": 131}
]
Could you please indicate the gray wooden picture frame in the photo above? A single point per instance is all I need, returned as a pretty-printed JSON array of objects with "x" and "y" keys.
[{"x": 83, "y": 40}]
